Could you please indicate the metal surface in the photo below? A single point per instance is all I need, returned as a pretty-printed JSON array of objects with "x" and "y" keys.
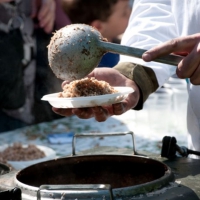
[
  {"x": 82, "y": 192},
  {"x": 125, "y": 174},
  {"x": 128, "y": 175},
  {"x": 100, "y": 135},
  {"x": 186, "y": 185},
  {"x": 136, "y": 52},
  {"x": 96, "y": 174},
  {"x": 75, "y": 50}
]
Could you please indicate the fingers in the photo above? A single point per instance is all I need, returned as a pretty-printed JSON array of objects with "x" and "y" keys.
[
  {"x": 83, "y": 113},
  {"x": 103, "y": 113},
  {"x": 119, "y": 108},
  {"x": 46, "y": 15},
  {"x": 189, "y": 46},
  {"x": 100, "y": 113},
  {"x": 62, "y": 111},
  {"x": 189, "y": 66},
  {"x": 129, "y": 103},
  {"x": 64, "y": 83},
  {"x": 195, "y": 78},
  {"x": 181, "y": 45}
]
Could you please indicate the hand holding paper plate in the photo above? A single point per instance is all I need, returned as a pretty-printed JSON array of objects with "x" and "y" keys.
[{"x": 90, "y": 101}]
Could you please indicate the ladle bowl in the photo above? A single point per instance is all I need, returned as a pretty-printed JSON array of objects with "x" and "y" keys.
[{"x": 76, "y": 49}]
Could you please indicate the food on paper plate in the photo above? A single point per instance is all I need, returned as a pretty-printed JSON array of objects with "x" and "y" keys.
[
  {"x": 86, "y": 87},
  {"x": 17, "y": 152},
  {"x": 87, "y": 92}
]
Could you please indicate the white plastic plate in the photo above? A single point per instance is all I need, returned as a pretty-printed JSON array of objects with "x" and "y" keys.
[
  {"x": 90, "y": 101},
  {"x": 18, "y": 165}
]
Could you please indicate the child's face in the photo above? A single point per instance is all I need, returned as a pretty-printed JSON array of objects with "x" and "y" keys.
[{"x": 118, "y": 21}]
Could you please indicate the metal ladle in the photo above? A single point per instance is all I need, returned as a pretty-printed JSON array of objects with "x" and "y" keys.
[{"x": 75, "y": 50}]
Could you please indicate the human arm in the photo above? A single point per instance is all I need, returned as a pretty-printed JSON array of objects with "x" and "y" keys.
[
  {"x": 44, "y": 11},
  {"x": 114, "y": 78},
  {"x": 150, "y": 24},
  {"x": 124, "y": 74},
  {"x": 188, "y": 46},
  {"x": 138, "y": 34}
]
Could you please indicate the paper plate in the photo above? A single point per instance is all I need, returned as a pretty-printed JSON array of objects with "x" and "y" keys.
[
  {"x": 18, "y": 165},
  {"x": 90, "y": 101}
]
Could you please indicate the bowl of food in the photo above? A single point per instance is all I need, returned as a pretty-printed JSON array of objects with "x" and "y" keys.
[
  {"x": 19, "y": 156},
  {"x": 87, "y": 92}
]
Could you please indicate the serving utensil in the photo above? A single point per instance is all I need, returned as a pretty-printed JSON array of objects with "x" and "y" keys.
[{"x": 75, "y": 50}]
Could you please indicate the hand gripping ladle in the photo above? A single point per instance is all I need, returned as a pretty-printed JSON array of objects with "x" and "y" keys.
[{"x": 75, "y": 50}]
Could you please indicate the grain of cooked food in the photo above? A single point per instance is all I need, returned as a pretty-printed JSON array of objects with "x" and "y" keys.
[
  {"x": 86, "y": 87},
  {"x": 17, "y": 152}
]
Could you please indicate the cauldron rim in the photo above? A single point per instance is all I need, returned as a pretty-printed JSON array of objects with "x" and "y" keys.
[{"x": 125, "y": 191}]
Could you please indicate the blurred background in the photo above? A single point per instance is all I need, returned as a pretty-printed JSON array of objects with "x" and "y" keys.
[{"x": 164, "y": 112}]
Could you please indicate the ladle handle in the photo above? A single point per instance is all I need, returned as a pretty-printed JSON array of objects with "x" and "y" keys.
[{"x": 136, "y": 52}]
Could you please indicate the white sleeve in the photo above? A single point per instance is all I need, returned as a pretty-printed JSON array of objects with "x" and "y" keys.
[{"x": 151, "y": 23}]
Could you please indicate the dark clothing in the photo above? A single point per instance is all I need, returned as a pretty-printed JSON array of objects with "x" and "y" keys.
[
  {"x": 45, "y": 80},
  {"x": 25, "y": 74},
  {"x": 12, "y": 93},
  {"x": 109, "y": 60},
  {"x": 144, "y": 77}
]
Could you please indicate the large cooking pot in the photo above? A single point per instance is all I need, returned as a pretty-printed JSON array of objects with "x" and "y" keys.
[{"x": 98, "y": 176}]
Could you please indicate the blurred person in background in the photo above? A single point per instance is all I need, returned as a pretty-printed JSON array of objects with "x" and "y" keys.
[
  {"x": 110, "y": 17},
  {"x": 155, "y": 22},
  {"x": 61, "y": 19},
  {"x": 45, "y": 80},
  {"x": 23, "y": 25},
  {"x": 151, "y": 24}
]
